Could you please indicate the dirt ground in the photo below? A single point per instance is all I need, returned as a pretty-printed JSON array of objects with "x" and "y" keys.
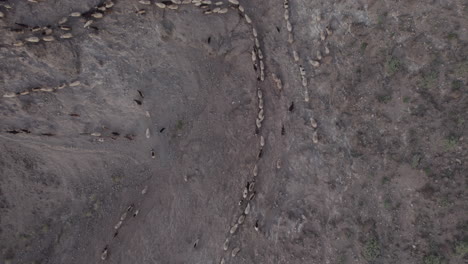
[{"x": 136, "y": 139}]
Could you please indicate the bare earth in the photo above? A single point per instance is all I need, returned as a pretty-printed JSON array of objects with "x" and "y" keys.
[{"x": 133, "y": 139}]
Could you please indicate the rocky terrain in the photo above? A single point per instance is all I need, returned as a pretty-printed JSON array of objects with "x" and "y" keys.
[{"x": 198, "y": 131}]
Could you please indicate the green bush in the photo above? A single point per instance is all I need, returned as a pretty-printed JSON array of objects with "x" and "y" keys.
[{"x": 371, "y": 250}]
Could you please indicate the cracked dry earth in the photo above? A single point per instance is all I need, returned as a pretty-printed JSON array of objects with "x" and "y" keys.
[{"x": 225, "y": 132}]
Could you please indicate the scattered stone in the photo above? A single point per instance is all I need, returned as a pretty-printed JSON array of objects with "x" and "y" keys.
[
  {"x": 75, "y": 14},
  {"x": 96, "y": 134}
]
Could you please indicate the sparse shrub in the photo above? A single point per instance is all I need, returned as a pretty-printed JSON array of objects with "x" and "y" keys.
[
  {"x": 451, "y": 142},
  {"x": 384, "y": 98},
  {"x": 371, "y": 250},
  {"x": 394, "y": 65},
  {"x": 364, "y": 46},
  {"x": 461, "y": 248},
  {"x": 432, "y": 259},
  {"x": 452, "y": 35},
  {"x": 179, "y": 125},
  {"x": 456, "y": 85},
  {"x": 388, "y": 204}
]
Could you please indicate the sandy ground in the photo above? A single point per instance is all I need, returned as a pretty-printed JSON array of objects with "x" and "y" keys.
[{"x": 141, "y": 139}]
